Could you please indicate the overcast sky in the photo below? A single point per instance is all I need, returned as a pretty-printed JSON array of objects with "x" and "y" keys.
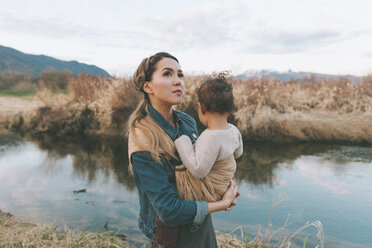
[{"x": 326, "y": 36}]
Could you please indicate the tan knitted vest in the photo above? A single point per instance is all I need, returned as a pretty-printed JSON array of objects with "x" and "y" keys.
[{"x": 211, "y": 188}]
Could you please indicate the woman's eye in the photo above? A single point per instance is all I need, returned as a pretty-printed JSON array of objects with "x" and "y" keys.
[
  {"x": 180, "y": 75},
  {"x": 167, "y": 74}
]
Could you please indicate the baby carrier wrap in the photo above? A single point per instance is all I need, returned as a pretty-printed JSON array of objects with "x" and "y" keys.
[{"x": 210, "y": 188}]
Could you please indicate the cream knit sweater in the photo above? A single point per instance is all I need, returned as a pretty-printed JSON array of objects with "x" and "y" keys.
[{"x": 211, "y": 146}]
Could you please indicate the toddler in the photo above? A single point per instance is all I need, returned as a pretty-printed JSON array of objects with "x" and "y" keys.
[{"x": 212, "y": 158}]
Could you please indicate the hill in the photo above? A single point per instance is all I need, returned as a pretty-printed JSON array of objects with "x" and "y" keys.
[
  {"x": 288, "y": 75},
  {"x": 12, "y": 60}
]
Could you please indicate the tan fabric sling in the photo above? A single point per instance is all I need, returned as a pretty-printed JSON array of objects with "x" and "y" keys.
[{"x": 211, "y": 188}]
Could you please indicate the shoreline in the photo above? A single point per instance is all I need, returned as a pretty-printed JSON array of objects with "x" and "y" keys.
[
  {"x": 323, "y": 112},
  {"x": 16, "y": 232}
]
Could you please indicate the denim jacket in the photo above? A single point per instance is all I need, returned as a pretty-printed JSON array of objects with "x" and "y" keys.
[{"x": 155, "y": 182}]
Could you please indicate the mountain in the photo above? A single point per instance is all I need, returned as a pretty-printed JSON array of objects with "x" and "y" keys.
[
  {"x": 12, "y": 60},
  {"x": 288, "y": 75}
]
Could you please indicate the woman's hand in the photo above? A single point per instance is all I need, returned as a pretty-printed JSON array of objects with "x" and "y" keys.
[
  {"x": 227, "y": 202},
  {"x": 233, "y": 203},
  {"x": 230, "y": 196}
]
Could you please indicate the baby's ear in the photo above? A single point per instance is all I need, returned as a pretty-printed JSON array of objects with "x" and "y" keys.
[{"x": 202, "y": 108}]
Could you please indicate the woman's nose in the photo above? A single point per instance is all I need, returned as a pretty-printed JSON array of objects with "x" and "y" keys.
[{"x": 177, "y": 81}]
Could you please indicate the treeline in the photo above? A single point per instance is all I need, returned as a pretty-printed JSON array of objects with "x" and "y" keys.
[{"x": 49, "y": 79}]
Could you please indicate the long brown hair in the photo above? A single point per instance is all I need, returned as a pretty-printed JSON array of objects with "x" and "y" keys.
[{"x": 138, "y": 124}]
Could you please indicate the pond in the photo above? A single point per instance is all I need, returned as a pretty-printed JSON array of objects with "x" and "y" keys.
[{"x": 39, "y": 179}]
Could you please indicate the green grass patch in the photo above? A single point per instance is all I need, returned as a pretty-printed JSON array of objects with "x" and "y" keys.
[
  {"x": 60, "y": 91},
  {"x": 26, "y": 93},
  {"x": 17, "y": 93}
]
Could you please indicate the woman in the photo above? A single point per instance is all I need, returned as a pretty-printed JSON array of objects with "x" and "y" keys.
[{"x": 153, "y": 159}]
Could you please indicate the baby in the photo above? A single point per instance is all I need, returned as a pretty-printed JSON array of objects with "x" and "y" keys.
[{"x": 212, "y": 158}]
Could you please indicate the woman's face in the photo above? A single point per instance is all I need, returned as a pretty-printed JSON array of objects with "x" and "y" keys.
[{"x": 166, "y": 86}]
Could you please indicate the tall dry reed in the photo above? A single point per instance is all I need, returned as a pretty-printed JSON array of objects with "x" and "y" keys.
[
  {"x": 327, "y": 110},
  {"x": 307, "y": 110},
  {"x": 92, "y": 104}
]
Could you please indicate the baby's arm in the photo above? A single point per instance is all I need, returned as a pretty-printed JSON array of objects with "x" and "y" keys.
[
  {"x": 239, "y": 151},
  {"x": 199, "y": 159}
]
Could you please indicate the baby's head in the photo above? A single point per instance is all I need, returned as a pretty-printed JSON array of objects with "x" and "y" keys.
[{"x": 215, "y": 96}]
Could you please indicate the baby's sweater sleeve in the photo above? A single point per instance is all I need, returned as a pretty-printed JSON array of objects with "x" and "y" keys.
[
  {"x": 239, "y": 151},
  {"x": 198, "y": 160}
]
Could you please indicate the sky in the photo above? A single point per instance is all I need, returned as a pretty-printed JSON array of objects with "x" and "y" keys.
[{"x": 324, "y": 36}]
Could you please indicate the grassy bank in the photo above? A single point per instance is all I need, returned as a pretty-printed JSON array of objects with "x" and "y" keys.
[
  {"x": 266, "y": 110},
  {"x": 15, "y": 232}
]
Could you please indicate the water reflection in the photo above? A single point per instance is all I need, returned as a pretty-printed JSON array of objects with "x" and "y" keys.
[
  {"x": 91, "y": 156},
  {"x": 259, "y": 161},
  {"x": 108, "y": 155},
  {"x": 326, "y": 182},
  {"x": 95, "y": 155}
]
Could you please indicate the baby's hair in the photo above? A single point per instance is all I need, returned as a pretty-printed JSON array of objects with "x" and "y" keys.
[
  {"x": 216, "y": 94},
  {"x": 221, "y": 75}
]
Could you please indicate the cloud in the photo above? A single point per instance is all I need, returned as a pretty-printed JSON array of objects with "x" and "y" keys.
[
  {"x": 203, "y": 27},
  {"x": 279, "y": 40},
  {"x": 57, "y": 28},
  {"x": 234, "y": 27},
  {"x": 252, "y": 195},
  {"x": 368, "y": 55},
  {"x": 280, "y": 181},
  {"x": 207, "y": 27},
  {"x": 302, "y": 39},
  {"x": 316, "y": 35},
  {"x": 321, "y": 174}
]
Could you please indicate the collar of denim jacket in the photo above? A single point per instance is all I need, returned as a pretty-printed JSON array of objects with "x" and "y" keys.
[{"x": 163, "y": 123}]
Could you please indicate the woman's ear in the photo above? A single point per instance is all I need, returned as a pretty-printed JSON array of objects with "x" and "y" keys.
[{"x": 147, "y": 88}]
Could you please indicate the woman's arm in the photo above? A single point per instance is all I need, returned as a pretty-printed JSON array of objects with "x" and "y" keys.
[
  {"x": 164, "y": 198},
  {"x": 198, "y": 160},
  {"x": 154, "y": 182}
]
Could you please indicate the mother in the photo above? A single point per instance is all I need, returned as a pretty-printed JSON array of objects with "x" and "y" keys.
[{"x": 153, "y": 159}]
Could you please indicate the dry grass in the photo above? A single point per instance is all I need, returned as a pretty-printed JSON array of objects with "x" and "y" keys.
[
  {"x": 325, "y": 110},
  {"x": 17, "y": 233},
  {"x": 92, "y": 104}
]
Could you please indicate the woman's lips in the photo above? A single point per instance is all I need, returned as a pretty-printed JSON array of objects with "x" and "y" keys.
[{"x": 178, "y": 92}]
